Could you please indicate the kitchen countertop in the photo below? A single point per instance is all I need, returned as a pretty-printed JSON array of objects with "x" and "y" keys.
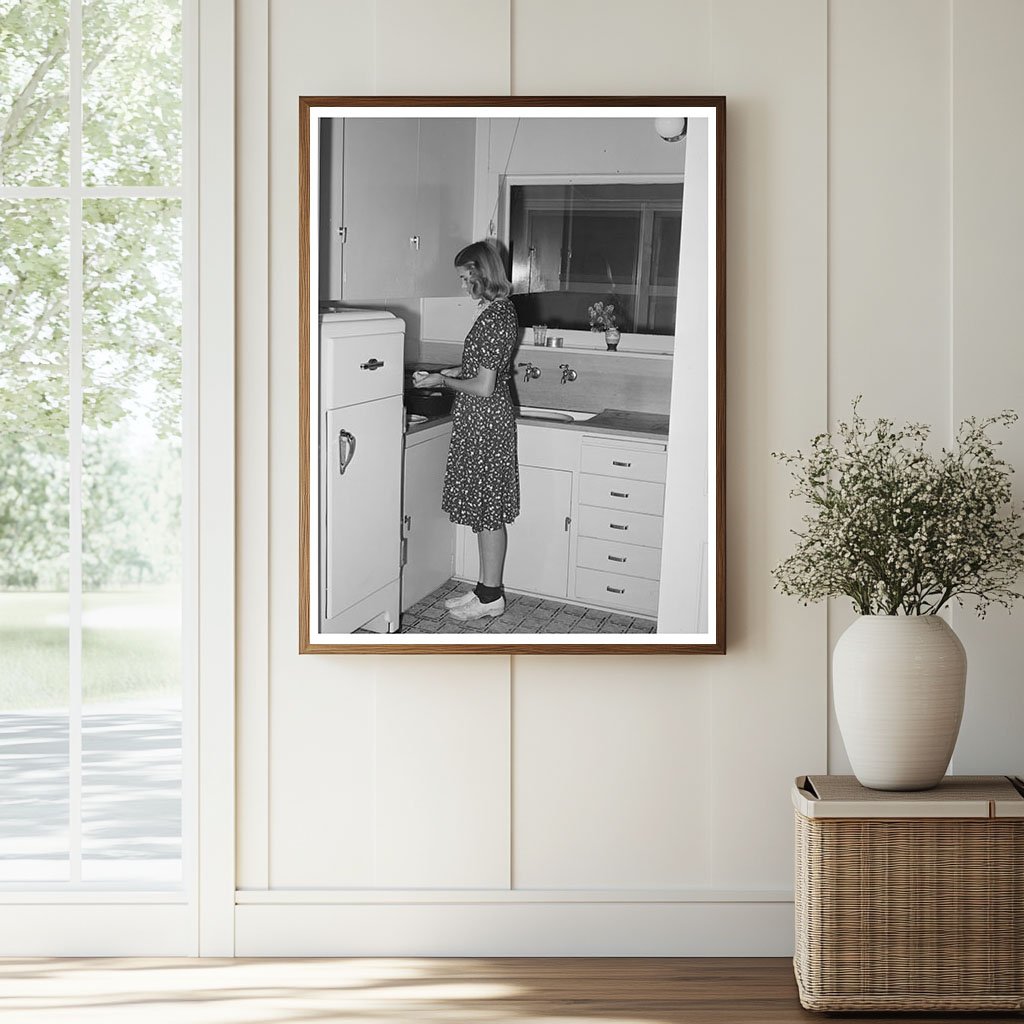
[{"x": 609, "y": 421}]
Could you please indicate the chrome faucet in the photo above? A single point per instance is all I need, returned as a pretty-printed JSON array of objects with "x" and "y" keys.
[
  {"x": 531, "y": 372},
  {"x": 567, "y": 373}
]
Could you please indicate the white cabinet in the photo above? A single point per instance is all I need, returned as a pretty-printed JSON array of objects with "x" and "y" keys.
[
  {"x": 591, "y": 520},
  {"x": 538, "y": 541},
  {"x": 399, "y": 191},
  {"x": 364, "y": 468},
  {"x": 429, "y": 536},
  {"x": 360, "y": 461},
  {"x": 620, "y": 523}
]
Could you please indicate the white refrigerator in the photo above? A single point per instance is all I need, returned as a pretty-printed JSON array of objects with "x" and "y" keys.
[{"x": 361, "y": 434}]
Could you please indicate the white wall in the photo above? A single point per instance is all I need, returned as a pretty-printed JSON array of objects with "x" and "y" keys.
[{"x": 625, "y": 805}]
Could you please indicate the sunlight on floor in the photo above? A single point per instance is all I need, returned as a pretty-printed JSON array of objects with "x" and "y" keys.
[{"x": 217, "y": 991}]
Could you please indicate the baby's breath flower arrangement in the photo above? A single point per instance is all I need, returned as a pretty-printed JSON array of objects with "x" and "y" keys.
[
  {"x": 602, "y": 317},
  {"x": 899, "y": 530}
]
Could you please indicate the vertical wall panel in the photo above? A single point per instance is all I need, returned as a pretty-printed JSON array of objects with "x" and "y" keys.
[
  {"x": 615, "y": 762},
  {"x": 322, "y": 709},
  {"x": 252, "y": 463},
  {"x": 769, "y": 692},
  {"x": 441, "y": 48},
  {"x": 889, "y": 209},
  {"x": 611, "y": 775},
  {"x": 988, "y": 334},
  {"x": 576, "y": 48},
  {"x": 442, "y": 776},
  {"x": 889, "y": 247}
]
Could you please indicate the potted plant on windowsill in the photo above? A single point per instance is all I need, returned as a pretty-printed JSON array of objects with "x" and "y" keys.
[
  {"x": 903, "y": 533},
  {"x": 602, "y": 318}
]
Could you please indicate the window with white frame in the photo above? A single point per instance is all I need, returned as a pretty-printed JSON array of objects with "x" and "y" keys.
[{"x": 95, "y": 475}]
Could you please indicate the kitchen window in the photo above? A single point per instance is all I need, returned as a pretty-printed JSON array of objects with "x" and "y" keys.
[
  {"x": 572, "y": 244},
  {"x": 97, "y": 457}
]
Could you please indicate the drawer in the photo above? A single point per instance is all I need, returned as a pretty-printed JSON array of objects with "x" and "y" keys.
[
  {"x": 628, "y": 495},
  {"x": 614, "y": 556},
  {"x": 612, "y": 590},
  {"x": 620, "y": 526},
  {"x": 361, "y": 369},
  {"x": 624, "y": 463}
]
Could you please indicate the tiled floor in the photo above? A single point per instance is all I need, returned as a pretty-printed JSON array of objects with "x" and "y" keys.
[{"x": 522, "y": 614}]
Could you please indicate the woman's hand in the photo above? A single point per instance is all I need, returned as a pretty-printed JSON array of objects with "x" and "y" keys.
[
  {"x": 427, "y": 380},
  {"x": 451, "y": 371}
]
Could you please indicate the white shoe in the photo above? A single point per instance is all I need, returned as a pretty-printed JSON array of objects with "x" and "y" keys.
[
  {"x": 460, "y": 600},
  {"x": 475, "y": 609}
]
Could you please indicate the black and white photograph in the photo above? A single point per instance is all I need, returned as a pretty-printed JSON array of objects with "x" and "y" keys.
[{"x": 511, "y": 346}]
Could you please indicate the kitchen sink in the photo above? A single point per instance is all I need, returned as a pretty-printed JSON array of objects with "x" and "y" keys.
[{"x": 527, "y": 412}]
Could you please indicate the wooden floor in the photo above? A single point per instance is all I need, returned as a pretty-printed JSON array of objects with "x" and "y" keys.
[{"x": 383, "y": 991}]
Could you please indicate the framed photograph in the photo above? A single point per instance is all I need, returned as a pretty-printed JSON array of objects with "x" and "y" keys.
[{"x": 512, "y": 376}]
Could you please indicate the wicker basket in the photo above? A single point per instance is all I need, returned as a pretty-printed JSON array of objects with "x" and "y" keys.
[{"x": 910, "y": 901}]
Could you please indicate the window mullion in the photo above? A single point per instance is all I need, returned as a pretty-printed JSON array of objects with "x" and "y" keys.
[{"x": 75, "y": 304}]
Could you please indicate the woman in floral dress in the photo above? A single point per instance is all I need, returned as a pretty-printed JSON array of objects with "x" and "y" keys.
[{"x": 481, "y": 483}]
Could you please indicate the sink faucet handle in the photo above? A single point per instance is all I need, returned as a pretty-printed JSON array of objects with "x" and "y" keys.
[
  {"x": 568, "y": 374},
  {"x": 530, "y": 372}
]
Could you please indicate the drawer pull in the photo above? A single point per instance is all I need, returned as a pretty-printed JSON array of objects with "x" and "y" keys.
[
  {"x": 617, "y": 526},
  {"x": 615, "y": 590},
  {"x": 373, "y": 364},
  {"x": 618, "y": 494},
  {"x": 616, "y": 558},
  {"x": 625, "y": 465}
]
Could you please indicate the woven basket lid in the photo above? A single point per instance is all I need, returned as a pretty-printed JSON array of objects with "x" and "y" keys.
[{"x": 957, "y": 796}]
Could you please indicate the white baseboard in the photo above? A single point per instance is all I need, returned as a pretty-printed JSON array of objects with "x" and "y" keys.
[{"x": 520, "y": 928}]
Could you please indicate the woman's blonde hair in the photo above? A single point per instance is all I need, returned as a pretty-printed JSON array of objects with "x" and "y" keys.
[{"x": 487, "y": 278}]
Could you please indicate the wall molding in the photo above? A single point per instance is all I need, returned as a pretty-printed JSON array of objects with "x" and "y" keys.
[
  {"x": 369, "y": 897},
  {"x": 520, "y": 928}
]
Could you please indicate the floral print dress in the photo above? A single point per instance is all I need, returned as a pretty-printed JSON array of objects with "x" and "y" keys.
[{"x": 481, "y": 481}]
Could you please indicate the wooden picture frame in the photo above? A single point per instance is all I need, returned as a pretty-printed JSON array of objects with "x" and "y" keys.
[{"x": 561, "y": 170}]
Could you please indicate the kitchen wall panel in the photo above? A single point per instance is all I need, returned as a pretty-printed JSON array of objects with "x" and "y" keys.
[{"x": 987, "y": 369}]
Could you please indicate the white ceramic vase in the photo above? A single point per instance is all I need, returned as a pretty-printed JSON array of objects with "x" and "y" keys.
[{"x": 898, "y": 684}]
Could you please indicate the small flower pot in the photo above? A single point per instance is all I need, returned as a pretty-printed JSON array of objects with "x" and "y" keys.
[{"x": 611, "y": 339}]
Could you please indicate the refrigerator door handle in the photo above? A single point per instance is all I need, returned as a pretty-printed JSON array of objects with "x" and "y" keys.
[{"x": 346, "y": 450}]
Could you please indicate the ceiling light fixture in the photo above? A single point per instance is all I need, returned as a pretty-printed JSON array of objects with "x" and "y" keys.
[{"x": 671, "y": 129}]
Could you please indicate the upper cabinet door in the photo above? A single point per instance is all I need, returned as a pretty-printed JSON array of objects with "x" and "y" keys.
[
  {"x": 379, "y": 204},
  {"x": 447, "y": 156}
]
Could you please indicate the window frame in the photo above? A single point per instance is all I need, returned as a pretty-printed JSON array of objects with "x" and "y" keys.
[
  {"x": 644, "y": 290},
  {"x": 76, "y": 918}
]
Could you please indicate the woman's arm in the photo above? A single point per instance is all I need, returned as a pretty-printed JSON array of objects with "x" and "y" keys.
[{"x": 482, "y": 385}]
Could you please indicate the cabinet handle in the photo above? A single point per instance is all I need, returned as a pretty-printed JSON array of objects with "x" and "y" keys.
[
  {"x": 615, "y": 590},
  {"x": 616, "y": 526},
  {"x": 346, "y": 450},
  {"x": 624, "y": 465},
  {"x": 373, "y": 364},
  {"x": 616, "y": 558},
  {"x": 568, "y": 520},
  {"x": 618, "y": 494}
]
